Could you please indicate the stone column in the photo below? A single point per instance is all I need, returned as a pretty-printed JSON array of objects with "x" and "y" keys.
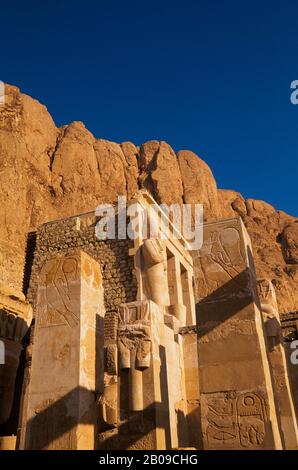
[
  {"x": 108, "y": 398},
  {"x": 177, "y": 307},
  {"x": 277, "y": 359},
  {"x": 188, "y": 296},
  {"x": 237, "y": 401},
  {"x": 189, "y": 335},
  {"x": 61, "y": 406},
  {"x": 134, "y": 344},
  {"x": 15, "y": 319},
  {"x": 151, "y": 357}
]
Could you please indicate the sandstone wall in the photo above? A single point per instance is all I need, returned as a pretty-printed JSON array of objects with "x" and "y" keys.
[
  {"x": 66, "y": 235},
  {"x": 48, "y": 173}
]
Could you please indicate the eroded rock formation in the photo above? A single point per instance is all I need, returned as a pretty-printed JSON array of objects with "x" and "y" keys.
[{"x": 47, "y": 173}]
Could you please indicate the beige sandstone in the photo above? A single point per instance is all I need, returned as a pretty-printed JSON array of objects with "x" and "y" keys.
[
  {"x": 277, "y": 359},
  {"x": 59, "y": 172},
  {"x": 119, "y": 356}
]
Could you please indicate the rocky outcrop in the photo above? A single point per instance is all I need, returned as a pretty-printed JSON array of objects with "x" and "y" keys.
[
  {"x": 199, "y": 185},
  {"x": 273, "y": 240},
  {"x": 48, "y": 173}
]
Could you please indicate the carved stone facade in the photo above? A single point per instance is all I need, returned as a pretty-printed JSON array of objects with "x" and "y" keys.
[
  {"x": 15, "y": 319},
  {"x": 60, "y": 410},
  {"x": 238, "y": 403},
  {"x": 277, "y": 359},
  {"x": 122, "y": 354}
]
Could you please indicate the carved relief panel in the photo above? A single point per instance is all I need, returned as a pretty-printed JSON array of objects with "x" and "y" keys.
[
  {"x": 234, "y": 420},
  {"x": 223, "y": 260}
]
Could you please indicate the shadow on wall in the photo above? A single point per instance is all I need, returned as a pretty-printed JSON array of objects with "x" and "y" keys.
[
  {"x": 52, "y": 428},
  {"x": 230, "y": 299},
  {"x": 12, "y": 374}
]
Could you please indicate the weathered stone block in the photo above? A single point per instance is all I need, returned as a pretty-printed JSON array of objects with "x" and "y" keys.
[
  {"x": 237, "y": 398},
  {"x": 68, "y": 345}
]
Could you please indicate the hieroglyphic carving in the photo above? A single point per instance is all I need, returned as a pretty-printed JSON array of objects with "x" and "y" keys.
[
  {"x": 250, "y": 419},
  {"x": 67, "y": 360},
  {"x": 222, "y": 258},
  {"x": 234, "y": 420},
  {"x": 221, "y": 425},
  {"x": 60, "y": 277},
  {"x": 134, "y": 345},
  {"x": 134, "y": 334},
  {"x": 108, "y": 399}
]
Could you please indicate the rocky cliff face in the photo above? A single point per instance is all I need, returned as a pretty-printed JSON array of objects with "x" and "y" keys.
[{"x": 48, "y": 173}]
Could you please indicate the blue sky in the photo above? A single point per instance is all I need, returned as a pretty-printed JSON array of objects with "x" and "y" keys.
[{"x": 210, "y": 76}]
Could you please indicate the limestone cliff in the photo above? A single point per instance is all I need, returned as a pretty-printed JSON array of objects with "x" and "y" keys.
[{"x": 48, "y": 173}]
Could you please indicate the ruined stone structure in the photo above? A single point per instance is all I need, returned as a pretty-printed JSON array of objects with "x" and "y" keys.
[{"x": 118, "y": 353}]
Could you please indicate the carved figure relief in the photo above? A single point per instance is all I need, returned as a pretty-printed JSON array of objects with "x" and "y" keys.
[
  {"x": 60, "y": 277},
  {"x": 222, "y": 258},
  {"x": 108, "y": 403},
  {"x": 270, "y": 311},
  {"x": 267, "y": 298}
]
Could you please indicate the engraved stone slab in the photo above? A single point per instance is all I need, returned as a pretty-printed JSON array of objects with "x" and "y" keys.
[
  {"x": 278, "y": 362},
  {"x": 61, "y": 412},
  {"x": 233, "y": 363}
]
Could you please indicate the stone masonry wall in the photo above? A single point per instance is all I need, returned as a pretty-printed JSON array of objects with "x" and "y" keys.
[{"x": 63, "y": 236}]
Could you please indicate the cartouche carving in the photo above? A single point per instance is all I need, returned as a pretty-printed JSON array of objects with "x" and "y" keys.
[{"x": 237, "y": 419}]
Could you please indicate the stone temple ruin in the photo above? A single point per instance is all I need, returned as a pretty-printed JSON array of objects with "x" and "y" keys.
[{"x": 108, "y": 349}]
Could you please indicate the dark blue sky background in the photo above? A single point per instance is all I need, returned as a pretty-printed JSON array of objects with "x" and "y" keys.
[{"x": 210, "y": 76}]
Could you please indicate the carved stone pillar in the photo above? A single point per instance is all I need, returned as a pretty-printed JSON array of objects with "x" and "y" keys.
[
  {"x": 108, "y": 399},
  {"x": 277, "y": 359},
  {"x": 134, "y": 345},
  {"x": 237, "y": 402},
  {"x": 61, "y": 406},
  {"x": 15, "y": 319},
  {"x": 189, "y": 335},
  {"x": 151, "y": 377}
]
